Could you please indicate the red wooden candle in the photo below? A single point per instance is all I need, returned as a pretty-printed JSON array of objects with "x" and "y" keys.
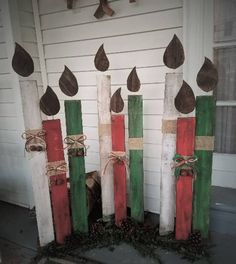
[
  {"x": 118, "y": 144},
  {"x": 184, "y": 185},
  {"x": 58, "y": 183}
]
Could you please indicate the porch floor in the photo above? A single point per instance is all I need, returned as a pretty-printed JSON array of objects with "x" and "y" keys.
[{"x": 18, "y": 239}]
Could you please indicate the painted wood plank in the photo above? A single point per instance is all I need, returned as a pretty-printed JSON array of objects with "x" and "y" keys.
[
  {"x": 5, "y": 66},
  {"x": 26, "y": 19},
  {"x": 2, "y": 35},
  {"x": 122, "y": 9},
  {"x": 28, "y": 34},
  {"x": 153, "y": 40},
  {"x": 74, "y": 125},
  {"x": 167, "y": 205},
  {"x": 205, "y": 119},
  {"x": 184, "y": 190},
  {"x": 25, "y": 5},
  {"x": 135, "y": 112},
  {"x": 146, "y": 22},
  {"x": 118, "y": 144},
  {"x": 37, "y": 162},
  {"x": 3, "y": 51},
  {"x": 104, "y": 130},
  {"x": 59, "y": 193},
  {"x": 8, "y": 110}
]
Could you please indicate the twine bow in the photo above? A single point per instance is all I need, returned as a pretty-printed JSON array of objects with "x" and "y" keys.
[
  {"x": 35, "y": 140},
  {"x": 76, "y": 142},
  {"x": 184, "y": 162},
  {"x": 116, "y": 157},
  {"x": 56, "y": 168}
]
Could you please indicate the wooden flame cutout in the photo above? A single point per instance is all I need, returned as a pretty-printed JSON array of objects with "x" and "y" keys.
[
  {"x": 207, "y": 77},
  {"x": 49, "y": 103},
  {"x": 103, "y": 9},
  {"x": 68, "y": 82},
  {"x": 185, "y": 99},
  {"x": 133, "y": 82},
  {"x": 117, "y": 103},
  {"x": 101, "y": 61},
  {"x": 22, "y": 62},
  {"x": 174, "y": 53}
]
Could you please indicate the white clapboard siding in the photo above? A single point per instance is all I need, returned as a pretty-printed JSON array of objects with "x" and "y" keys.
[
  {"x": 4, "y": 66},
  {"x": 9, "y": 136},
  {"x": 2, "y": 35},
  {"x": 136, "y": 35},
  {"x": 26, "y": 19},
  {"x": 3, "y": 51}
]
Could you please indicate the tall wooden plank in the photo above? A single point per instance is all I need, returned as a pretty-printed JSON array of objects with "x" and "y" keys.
[
  {"x": 118, "y": 144},
  {"x": 79, "y": 209},
  {"x": 59, "y": 192},
  {"x": 167, "y": 204},
  {"x": 105, "y": 144},
  {"x": 37, "y": 161},
  {"x": 184, "y": 189},
  {"x": 205, "y": 119},
  {"x": 135, "y": 127}
]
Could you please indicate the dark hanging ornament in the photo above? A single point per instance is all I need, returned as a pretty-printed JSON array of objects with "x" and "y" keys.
[
  {"x": 22, "y": 62},
  {"x": 117, "y": 103},
  {"x": 207, "y": 77},
  {"x": 133, "y": 82},
  {"x": 185, "y": 99},
  {"x": 68, "y": 82},
  {"x": 101, "y": 61},
  {"x": 174, "y": 53},
  {"x": 103, "y": 9},
  {"x": 49, "y": 103}
]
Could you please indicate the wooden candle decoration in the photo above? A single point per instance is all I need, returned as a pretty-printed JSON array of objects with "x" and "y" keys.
[
  {"x": 118, "y": 157},
  {"x": 68, "y": 82},
  {"x": 170, "y": 115},
  {"x": 49, "y": 103},
  {"x": 204, "y": 145},
  {"x": 105, "y": 144},
  {"x": 37, "y": 161},
  {"x": 56, "y": 171},
  {"x": 76, "y": 152},
  {"x": 103, "y": 9},
  {"x": 135, "y": 121},
  {"x": 101, "y": 61},
  {"x": 184, "y": 194}
]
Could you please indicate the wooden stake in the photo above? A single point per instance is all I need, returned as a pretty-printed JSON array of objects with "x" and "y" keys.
[
  {"x": 135, "y": 115},
  {"x": 105, "y": 144},
  {"x": 184, "y": 194},
  {"x": 37, "y": 161},
  {"x": 59, "y": 193},
  {"x": 74, "y": 126},
  {"x": 167, "y": 206},
  {"x": 118, "y": 144},
  {"x": 205, "y": 119}
]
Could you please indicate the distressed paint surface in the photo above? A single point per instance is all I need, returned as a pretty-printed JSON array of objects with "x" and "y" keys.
[
  {"x": 135, "y": 121},
  {"x": 59, "y": 193},
  {"x": 184, "y": 189},
  {"x": 74, "y": 126},
  {"x": 205, "y": 119}
]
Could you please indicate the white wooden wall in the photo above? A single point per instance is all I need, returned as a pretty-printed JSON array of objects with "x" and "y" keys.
[{"x": 135, "y": 36}]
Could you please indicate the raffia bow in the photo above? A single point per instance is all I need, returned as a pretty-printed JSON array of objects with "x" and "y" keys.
[
  {"x": 116, "y": 157},
  {"x": 184, "y": 162},
  {"x": 76, "y": 142},
  {"x": 35, "y": 140},
  {"x": 56, "y": 168}
]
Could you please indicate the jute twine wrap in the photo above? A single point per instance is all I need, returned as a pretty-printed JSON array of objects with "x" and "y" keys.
[
  {"x": 204, "y": 143},
  {"x": 56, "y": 168},
  {"x": 35, "y": 140},
  {"x": 104, "y": 129},
  {"x": 135, "y": 143},
  {"x": 116, "y": 157},
  {"x": 76, "y": 142},
  {"x": 169, "y": 126}
]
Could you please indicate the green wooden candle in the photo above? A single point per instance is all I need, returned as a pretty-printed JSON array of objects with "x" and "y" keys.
[
  {"x": 205, "y": 119},
  {"x": 135, "y": 117},
  {"x": 74, "y": 138}
]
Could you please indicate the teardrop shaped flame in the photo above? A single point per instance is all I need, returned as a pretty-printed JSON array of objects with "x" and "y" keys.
[
  {"x": 68, "y": 82},
  {"x": 22, "y": 63},
  {"x": 133, "y": 82},
  {"x": 174, "y": 54},
  {"x": 49, "y": 103},
  {"x": 101, "y": 61},
  {"x": 117, "y": 103},
  {"x": 207, "y": 77},
  {"x": 185, "y": 99}
]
